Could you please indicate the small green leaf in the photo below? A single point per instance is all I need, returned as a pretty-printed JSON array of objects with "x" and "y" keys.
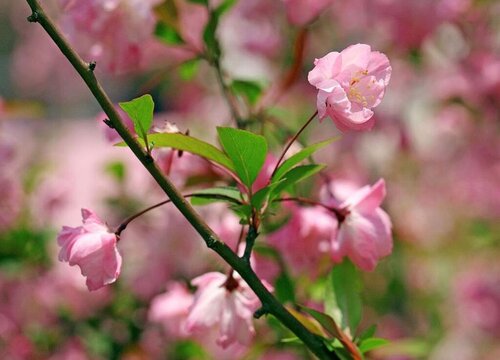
[
  {"x": 284, "y": 288},
  {"x": 343, "y": 296},
  {"x": 168, "y": 34},
  {"x": 188, "y": 69},
  {"x": 209, "y": 33},
  {"x": 301, "y": 155},
  {"x": 296, "y": 175},
  {"x": 201, "y": 2},
  {"x": 192, "y": 145},
  {"x": 117, "y": 170},
  {"x": 292, "y": 340},
  {"x": 251, "y": 90},
  {"x": 325, "y": 320},
  {"x": 246, "y": 150},
  {"x": 207, "y": 196},
  {"x": 367, "y": 333},
  {"x": 140, "y": 110},
  {"x": 371, "y": 344},
  {"x": 209, "y": 36}
]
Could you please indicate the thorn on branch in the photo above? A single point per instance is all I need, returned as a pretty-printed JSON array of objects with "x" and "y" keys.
[
  {"x": 260, "y": 312},
  {"x": 109, "y": 123},
  {"x": 92, "y": 66},
  {"x": 33, "y": 17}
]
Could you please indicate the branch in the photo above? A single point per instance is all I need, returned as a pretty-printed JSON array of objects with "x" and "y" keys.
[{"x": 86, "y": 71}]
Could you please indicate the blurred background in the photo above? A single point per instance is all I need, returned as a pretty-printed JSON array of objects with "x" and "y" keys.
[{"x": 436, "y": 141}]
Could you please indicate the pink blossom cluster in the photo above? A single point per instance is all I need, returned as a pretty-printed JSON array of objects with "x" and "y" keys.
[
  {"x": 111, "y": 32},
  {"x": 357, "y": 229},
  {"x": 221, "y": 303}
]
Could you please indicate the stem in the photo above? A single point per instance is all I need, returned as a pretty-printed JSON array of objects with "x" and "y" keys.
[
  {"x": 340, "y": 214},
  {"x": 292, "y": 140},
  {"x": 226, "y": 93},
  {"x": 313, "y": 342},
  {"x": 250, "y": 241},
  {"x": 128, "y": 220}
]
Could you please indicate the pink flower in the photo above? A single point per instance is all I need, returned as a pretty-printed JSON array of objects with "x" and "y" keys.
[
  {"x": 113, "y": 32},
  {"x": 228, "y": 305},
  {"x": 350, "y": 84},
  {"x": 364, "y": 235},
  {"x": 172, "y": 308},
  {"x": 93, "y": 248},
  {"x": 301, "y": 12},
  {"x": 305, "y": 239}
]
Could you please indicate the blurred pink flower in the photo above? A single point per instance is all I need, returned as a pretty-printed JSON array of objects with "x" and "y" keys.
[
  {"x": 350, "y": 84},
  {"x": 305, "y": 239},
  {"x": 93, "y": 248},
  {"x": 228, "y": 305},
  {"x": 478, "y": 296},
  {"x": 110, "y": 31},
  {"x": 301, "y": 12},
  {"x": 365, "y": 234},
  {"x": 172, "y": 308}
]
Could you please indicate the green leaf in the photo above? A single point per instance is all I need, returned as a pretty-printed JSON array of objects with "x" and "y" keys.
[
  {"x": 140, "y": 110},
  {"x": 201, "y": 2},
  {"x": 211, "y": 195},
  {"x": 343, "y": 296},
  {"x": 192, "y": 145},
  {"x": 325, "y": 320},
  {"x": 117, "y": 170},
  {"x": 284, "y": 288},
  {"x": 209, "y": 33},
  {"x": 188, "y": 69},
  {"x": 371, "y": 344},
  {"x": 251, "y": 90},
  {"x": 209, "y": 36},
  {"x": 224, "y": 7},
  {"x": 246, "y": 150},
  {"x": 301, "y": 155},
  {"x": 367, "y": 333},
  {"x": 168, "y": 34},
  {"x": 296, "y": 175}
]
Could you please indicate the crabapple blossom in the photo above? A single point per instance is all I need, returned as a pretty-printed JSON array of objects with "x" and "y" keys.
[
  {"x": 110, "y": 31},
  {"x": 365, "y": 232},
  {"x": 305, "y": 239},
  {"x": 301, "y": 12},
  {"x": 350, "y": 83},
  {"x": 93, "y": 248},
  {"x": 225, "y": 303},
  {"x": 171, "y": 309}
]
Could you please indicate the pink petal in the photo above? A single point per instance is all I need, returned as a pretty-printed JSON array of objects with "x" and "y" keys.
[{"x": 325, "y": 68}]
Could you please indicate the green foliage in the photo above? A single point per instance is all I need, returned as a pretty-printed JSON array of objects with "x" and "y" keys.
[
  {"x": 250, "y": 90},
  {"x": 201, "y": 2},
  {"x": 211, "y": 195},
  {"x": 24, "y": 245},
  {"x": 246, "y": 150},
  {"x": 343, "y": 296},
  {"x": 325, "y": 320},
  {"x": 168, "y": 34},
  {"x": 117, "y": 170},
  {"x": 192, "y": 145},
  {"x": 372, "y": 344},
  {"x": 209, "y": 33},
  {"x": 188, "y": 350},
  {"x": 298, "y": 157},
  {"x": 296, "y": 175},
  {"x": 188, "y": 69},
  {"x": 284, "y": 288},
  {"x": 140, "y": 110}
]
